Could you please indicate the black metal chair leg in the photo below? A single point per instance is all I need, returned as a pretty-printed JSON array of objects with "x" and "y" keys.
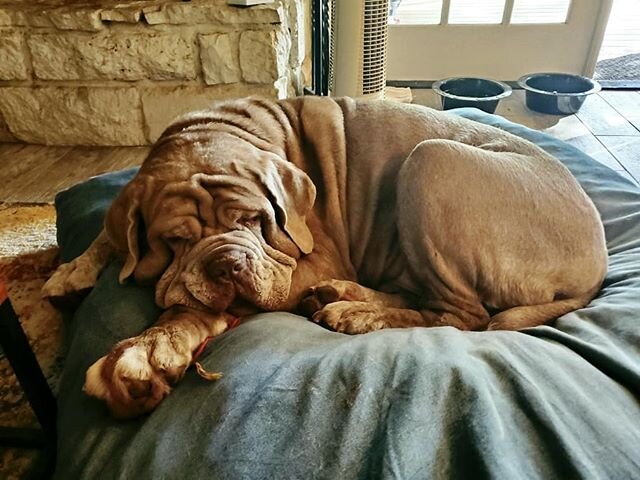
[{"x": 16, "y": 348}]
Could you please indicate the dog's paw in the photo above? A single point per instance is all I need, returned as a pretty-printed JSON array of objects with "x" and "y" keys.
[
  {"x": 327, "y": 292},
  {"x": 139, "y": 372},
  {"x": 351, "y": 317},
  {"x": 73, "y": 278}
]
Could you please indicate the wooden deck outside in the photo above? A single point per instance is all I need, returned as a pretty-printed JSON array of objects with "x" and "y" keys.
[
  {"x": 622, "y": 36},
  {"x": 607, "y": 128}
]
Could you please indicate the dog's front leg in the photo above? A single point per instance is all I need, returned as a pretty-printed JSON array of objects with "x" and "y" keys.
[
  {"x": 349, "y": 307},
  {"x": 355, "y": 317},
  {"x": 331, "y": 291},
  {"x": 363, "y": 317},
  {"x": 139, "y": 371},
  {"x": 81, "y": 273}
]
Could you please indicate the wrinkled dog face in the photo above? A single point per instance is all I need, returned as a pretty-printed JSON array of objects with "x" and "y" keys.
[
  {"x": 221, "y": 258},
  {"x": 225, "y": 232}
]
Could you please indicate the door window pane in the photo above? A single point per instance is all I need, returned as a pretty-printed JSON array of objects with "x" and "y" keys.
[
  {"x": 540, "y": 11},
  {"x": 476, "y": 11},
  {"x": 414, "y": 12}
]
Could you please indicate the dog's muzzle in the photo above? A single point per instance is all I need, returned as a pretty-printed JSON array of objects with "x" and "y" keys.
[{"x": 220, "y": 267}]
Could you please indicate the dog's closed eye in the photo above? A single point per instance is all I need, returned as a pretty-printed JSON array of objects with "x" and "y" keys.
[
  {"x": 178, "y": 234},
  {"x": 250, "y": 220},
  {"x": 237, "y": 217}
]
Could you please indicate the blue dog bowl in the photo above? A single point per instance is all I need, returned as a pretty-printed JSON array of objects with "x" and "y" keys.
[
  {"x": 471, "y": 92},
  {"x": 557, "y": 93}
]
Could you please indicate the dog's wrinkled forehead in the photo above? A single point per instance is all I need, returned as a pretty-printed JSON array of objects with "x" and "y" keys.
[
  {"x": 213, "y": 200},
  {"x": 190, "y": 165},
  {"x": 178, "y": 158}
]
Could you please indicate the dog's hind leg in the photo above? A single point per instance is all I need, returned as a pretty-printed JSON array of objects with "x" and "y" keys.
[
  {"x": 533, "y": 315},
  {"x": 80, "y": 274},
  {"x": 432, "y": 215},
  {"x": 510, "y": 230}
]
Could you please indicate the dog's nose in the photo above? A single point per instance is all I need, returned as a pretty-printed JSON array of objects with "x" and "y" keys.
[{"x": 226, "y": 267}]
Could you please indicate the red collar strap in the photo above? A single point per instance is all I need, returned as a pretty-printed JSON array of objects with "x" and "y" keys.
[{"x": 233, "y": 323}]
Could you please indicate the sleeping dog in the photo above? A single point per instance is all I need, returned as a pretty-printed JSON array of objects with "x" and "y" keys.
[{"x": 361, "y": 215}]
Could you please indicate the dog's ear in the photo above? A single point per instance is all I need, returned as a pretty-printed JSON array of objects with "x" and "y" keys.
[
  {"x": 122, "y": 223},
  {"x": 293, "y": 193}
]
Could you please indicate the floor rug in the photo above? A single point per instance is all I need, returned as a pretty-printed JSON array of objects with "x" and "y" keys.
[
  {"x": 28, "y": 255},
  {"x": 625, "y": 68}
]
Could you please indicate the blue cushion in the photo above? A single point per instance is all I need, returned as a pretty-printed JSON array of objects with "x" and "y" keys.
[{"x": 298, "y": 401}]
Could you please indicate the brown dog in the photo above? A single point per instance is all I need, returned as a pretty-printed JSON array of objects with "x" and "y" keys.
[{"x": 257, "y": 205}]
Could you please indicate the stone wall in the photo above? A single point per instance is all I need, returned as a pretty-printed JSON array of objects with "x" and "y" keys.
[{"x": 116, "y": 74}]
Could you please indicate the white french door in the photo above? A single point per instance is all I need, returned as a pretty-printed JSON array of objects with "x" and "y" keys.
[{"x": 499, "y": 39}]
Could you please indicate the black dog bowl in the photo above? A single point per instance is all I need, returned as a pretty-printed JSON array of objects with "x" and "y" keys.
[
  {"x": 471, "y": 92},
  {"x": 557, "y": 93}
]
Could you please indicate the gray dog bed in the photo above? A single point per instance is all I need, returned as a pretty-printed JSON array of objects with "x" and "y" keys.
[{"x": 301, "y": 402}]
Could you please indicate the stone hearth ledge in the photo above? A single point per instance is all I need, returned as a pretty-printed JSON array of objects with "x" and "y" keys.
[
  {"x": 104, "y": 115},
  {"x": 70, "y": 15},
  {"x": 116, "y": 73},
  {"x": 74, "y": 116}
]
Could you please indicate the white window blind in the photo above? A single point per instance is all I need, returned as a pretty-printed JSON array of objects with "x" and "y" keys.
[
  {"x": 540, "y": 11},
  {"x": 476, "y": 11},
  {"x": 479, "y": 12}
]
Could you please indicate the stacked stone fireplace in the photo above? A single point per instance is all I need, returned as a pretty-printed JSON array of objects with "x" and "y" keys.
[{"x": 115, "y": 73}]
